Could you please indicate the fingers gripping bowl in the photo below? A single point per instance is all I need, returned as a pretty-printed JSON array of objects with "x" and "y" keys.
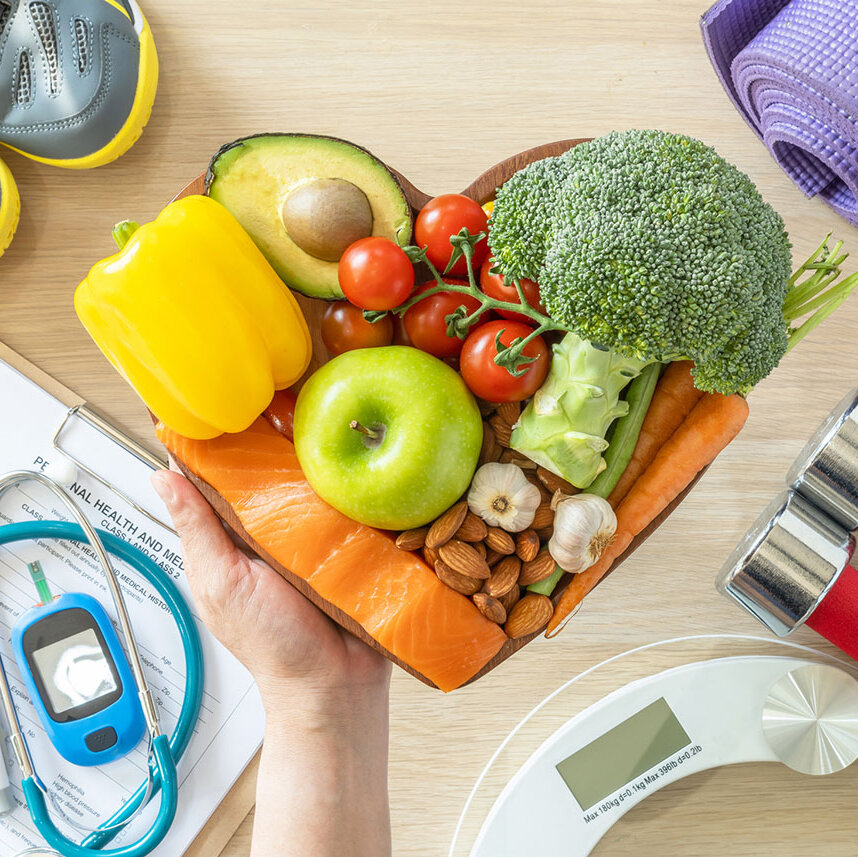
[{"x": 389, "y": 436}]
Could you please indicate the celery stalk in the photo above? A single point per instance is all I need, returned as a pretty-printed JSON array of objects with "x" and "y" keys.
[
  {"x": 546, "y": 586},
  {"x": 626, "y": 431}
]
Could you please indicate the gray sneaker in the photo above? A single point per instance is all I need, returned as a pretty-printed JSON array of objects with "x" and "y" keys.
[{"x": 79, "y": 79}]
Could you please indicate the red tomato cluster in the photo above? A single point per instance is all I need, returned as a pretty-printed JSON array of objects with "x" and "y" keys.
[
  {"x": 495, "y": 286},
  {"x": 281, "y": 412},
  {"x": 344, "y": 328},
  {"x": 426, "y": 322},
  {"x": 443, "y": 217},
  {"x": 376, "y": 274},
  {"x": 492, "y": 382}
]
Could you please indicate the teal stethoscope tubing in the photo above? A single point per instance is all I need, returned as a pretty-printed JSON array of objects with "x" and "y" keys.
[{"x": 166, "y": 751}]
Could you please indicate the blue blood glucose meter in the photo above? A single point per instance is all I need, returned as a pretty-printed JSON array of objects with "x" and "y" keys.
[{"x": 79, "y": 679}]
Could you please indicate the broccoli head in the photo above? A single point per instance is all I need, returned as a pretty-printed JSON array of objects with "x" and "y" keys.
[{"x": 652, "y": 244}]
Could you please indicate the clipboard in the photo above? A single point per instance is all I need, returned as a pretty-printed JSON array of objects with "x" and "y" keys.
[{"x": 227, "y": 818}]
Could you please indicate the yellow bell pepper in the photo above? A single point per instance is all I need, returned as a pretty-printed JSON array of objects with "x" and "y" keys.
[{"x": 195, "y": 319}]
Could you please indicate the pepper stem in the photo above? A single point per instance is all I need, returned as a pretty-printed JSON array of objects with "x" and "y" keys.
[{"x": 123, "y": 231}]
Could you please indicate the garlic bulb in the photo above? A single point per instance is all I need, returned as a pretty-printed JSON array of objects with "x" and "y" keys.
[
  {"x": 584, "y": 525},
  {"x": 501, "y": 495}
]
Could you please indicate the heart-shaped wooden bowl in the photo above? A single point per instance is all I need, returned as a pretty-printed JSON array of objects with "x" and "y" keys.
[{"x": 482, "y": 190}]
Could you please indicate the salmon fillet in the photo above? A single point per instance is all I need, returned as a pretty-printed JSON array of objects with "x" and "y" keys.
[{"x": 391, "y": 593}]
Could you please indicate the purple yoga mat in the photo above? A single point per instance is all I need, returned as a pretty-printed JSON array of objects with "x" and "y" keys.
[{"x": 791, "y": 69}]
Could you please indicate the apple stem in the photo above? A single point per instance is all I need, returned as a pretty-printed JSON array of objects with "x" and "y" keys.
[{"x": 354, "y": 424}]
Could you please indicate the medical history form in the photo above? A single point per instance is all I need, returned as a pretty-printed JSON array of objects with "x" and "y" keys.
[{"x": 229, "y": 731}]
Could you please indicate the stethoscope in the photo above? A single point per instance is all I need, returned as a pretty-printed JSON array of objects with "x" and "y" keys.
[{"x": 164, "y": 752}]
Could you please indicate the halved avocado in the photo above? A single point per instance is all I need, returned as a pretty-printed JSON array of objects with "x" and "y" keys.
[{"x": 304, "y": 199}]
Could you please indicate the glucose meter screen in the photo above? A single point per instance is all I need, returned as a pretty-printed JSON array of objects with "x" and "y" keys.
[
  {"x": 623, "y": 753},
  {"x": 74, "y": 671}
]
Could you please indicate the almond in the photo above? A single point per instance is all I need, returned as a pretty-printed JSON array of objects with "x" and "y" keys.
[
  {"x": 504, "y": 577},
  {"x": 509, "y": 412},
  {"x": 412, "y": 540},
  {"x": 473, "y": 529},
  {"x": 510, "y": 456},
  {"x": 500, "y": 540},
  {"x": 544, "y": 516},
  {"x": 490, "y": 450},
  {"x": 511, "y": 598},
  {"x": 457, "y": 582},
  {"x": 533, "y": 479},
  {"x": 553, "y": 482},
  {"x": 490, "y": 607},
  {"x": 528, "y": 615},
  {"x": 527, "y": 545},
  {"x": 431, "y": 556},
  {"x": 493, "y": 556},
  {"x": 502, "y": 430},
  {"x": 545, "y": 533},
  {"x": 537, "y": 569},
  {"x": 481, "y": 549},
  {"x": 521, "y": 461},
  {"x": 445, "y": 527},
  {"x": 465, "y": 559}
]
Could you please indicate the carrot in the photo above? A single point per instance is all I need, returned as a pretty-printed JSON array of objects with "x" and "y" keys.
[
  {"x": 674, "y": 398},
  {"x": 713, "y": 422}
]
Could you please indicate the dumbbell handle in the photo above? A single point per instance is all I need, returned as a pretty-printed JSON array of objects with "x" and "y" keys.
[{"x": 836, "y": 616}]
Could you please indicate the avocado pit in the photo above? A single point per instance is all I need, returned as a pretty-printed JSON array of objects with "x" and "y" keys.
[{"x": 324, "y": 216}]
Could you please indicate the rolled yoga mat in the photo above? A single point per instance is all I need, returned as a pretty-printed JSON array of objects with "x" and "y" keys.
[{"x": 791, "y": 69}]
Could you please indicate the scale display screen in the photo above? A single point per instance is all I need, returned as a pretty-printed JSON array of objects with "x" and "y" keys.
[{"x": 628, "y": 750}]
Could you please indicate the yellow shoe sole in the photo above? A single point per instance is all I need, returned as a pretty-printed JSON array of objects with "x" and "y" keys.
[
  {"x": 141, "y": 110},
  {"x": 10, "y": 207}
]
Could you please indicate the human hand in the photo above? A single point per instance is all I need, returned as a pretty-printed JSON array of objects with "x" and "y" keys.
[
  {"x": 322, "y": 786},
  {"x": 294, "y": 651}
]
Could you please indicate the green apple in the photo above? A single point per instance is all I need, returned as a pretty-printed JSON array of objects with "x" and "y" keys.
[{"x": 389, "y": 436}]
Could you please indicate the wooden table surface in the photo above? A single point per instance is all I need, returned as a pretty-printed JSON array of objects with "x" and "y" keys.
[{"x": 441, "y": 90}]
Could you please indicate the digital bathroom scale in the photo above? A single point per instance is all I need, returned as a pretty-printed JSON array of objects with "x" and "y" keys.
[{"x": 774, "y": 703}]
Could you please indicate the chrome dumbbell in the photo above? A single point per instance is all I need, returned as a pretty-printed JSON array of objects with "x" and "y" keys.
[
  {"x": 792, "y": 568},
  {"x": 826, "y": 472}
]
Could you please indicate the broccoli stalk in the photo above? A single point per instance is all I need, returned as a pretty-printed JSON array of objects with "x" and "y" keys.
[{"x": 564, "y": 426}]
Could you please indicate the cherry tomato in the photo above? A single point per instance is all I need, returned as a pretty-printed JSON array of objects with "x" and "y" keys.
[
  {"x": 344, "y": 328},
  {"x": 495, "y": 287},
  {"x": 492, "y": 382},
  {"x": 400, "y": 334},
  {"x": 281, "y": 412},
  {"x": 425, "y": 322},
  {"x": 443, "y": 217},
  {"x": 375, "y": 273}
]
